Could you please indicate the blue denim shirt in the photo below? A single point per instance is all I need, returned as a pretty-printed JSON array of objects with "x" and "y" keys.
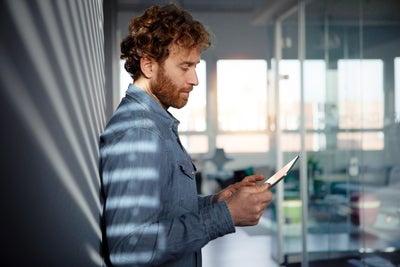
[{"x": 152, "y": 215}]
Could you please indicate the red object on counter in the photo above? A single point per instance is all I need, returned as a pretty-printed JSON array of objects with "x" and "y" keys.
[{"x": 364, "y": 209}]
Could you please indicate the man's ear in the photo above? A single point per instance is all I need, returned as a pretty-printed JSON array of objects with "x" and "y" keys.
[{"x": 147, "y": 66}]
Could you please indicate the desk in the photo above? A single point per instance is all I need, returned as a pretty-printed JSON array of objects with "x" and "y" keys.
[
  {"x": 333, "y": 245},
  {"x": 330, "y": 179}
]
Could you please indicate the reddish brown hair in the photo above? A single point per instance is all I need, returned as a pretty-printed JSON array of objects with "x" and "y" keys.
[{"x": 156, "y": 30}]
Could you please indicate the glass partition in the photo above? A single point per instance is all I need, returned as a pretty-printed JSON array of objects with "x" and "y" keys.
[{"x": 350, "y": 131}]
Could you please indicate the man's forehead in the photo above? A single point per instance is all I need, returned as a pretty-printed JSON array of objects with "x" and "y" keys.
[{"x": 183, "y": 54}]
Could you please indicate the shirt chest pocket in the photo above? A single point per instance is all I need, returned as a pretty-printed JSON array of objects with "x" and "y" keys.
[
  {"x": 187, "y": 168},
  {"x": 186, "y": 185}
]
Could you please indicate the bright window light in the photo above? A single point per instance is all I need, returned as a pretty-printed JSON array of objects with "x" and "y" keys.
[
  {"x": 361, "y": 104},
  {"x": 242, "y": 95},
  {"x": 361, "y": 141},
  {"x": 124, "y": 79},
  {"x": 314, "y": 103},
  {"x": 242, "y": 105},
  {"x": 360, "y": 94},
  {"x": 314, "y": 94}
]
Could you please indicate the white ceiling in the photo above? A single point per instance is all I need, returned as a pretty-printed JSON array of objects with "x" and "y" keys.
[
  {"x": 265, "y": 11},
  {"x": 198, "y": 5}
]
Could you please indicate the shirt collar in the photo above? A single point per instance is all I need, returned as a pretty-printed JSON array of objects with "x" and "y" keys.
[{"x": 151, "y": 104}]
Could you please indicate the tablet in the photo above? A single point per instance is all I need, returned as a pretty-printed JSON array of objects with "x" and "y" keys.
[{"x": 279, "y": 175}]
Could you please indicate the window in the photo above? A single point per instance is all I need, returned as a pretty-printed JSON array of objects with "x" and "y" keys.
[
  {"x": 361, "y": 104},
  {"x": 124, "y": 79},
  {"x": 292, "y": 142},
  {"x": 357, "y": 108},
  {"x": 360, "y": 94},
  {"x": 349, "y": 100},
  {"x": 360, "y": 140},
  {"x": 314, "y": 103},
  {"x": 242, "y": 105},
  {"x": 314, "y": 94}
]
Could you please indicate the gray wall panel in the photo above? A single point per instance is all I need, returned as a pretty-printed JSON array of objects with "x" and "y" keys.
[{"x": 52, "y": 109}]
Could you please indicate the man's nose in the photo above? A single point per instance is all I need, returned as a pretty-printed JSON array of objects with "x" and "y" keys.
[{"x": 193, "y": 79}]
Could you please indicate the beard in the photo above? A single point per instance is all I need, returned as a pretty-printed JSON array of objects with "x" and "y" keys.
[{"x": 167, "y": 92}]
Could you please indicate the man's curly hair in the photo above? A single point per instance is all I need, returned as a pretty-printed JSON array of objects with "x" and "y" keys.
[{"x": 156, "y": 30}]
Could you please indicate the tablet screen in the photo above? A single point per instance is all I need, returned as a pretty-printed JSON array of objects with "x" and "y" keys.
[{"x": 281, "y": 173}]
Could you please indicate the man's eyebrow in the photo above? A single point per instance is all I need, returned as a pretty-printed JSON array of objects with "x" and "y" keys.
[{"x": 190, "y": 63}]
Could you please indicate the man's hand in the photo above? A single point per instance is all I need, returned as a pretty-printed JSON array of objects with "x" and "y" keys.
[
  {"x": 227, "y": 192},
  {"x": 247, "y": 203}
]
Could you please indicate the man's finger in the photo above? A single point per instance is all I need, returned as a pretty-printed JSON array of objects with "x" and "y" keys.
[{"x": 253, "y": 178}]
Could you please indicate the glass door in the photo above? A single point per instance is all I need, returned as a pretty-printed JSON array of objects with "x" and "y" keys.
[{"x": 336, "y": 68}]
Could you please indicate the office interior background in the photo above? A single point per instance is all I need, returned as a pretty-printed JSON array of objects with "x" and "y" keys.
[{"x": 283, "y": 77}]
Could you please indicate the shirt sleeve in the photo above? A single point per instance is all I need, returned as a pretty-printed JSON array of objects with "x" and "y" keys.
[
  {"x": 205, "y": 201},
  {"x": 138, "y": 230}
]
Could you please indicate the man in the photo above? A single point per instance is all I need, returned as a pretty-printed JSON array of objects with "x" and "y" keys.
[{"x": 152, "y": 215}]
